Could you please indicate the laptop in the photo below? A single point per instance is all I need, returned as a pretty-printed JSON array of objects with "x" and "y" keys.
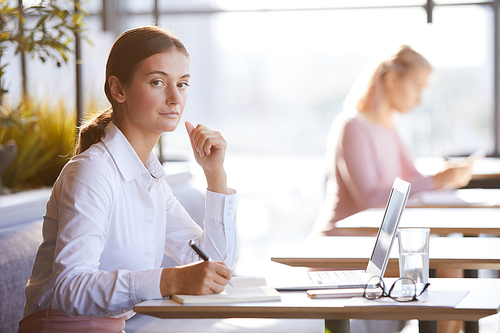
[{"x": 378, "y": 261}]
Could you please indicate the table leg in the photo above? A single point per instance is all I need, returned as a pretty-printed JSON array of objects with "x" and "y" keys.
[
  {"x": 429, "y": 326},
  {"x": 471, "y": 326},
  {"x": 471, "y": 273},
  {"x": 338, "y": 326}
]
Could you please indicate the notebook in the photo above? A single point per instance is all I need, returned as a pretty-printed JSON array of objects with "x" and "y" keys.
[
  {"x": 379, "y": 258},
  {"x": 246, "y": 289}
]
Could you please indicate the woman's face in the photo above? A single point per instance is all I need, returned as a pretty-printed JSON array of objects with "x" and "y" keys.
[
  {"x": 156, "y": 97},
  {"x": 404, "y": 93}
]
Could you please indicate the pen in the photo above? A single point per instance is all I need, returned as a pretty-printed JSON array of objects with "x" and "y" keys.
[
  {"x": 202, "y": 254},
  {"x": 199, "y": 251}
]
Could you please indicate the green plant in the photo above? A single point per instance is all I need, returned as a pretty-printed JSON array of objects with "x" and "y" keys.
[
  {"x": 49, "y": 38},
  {"x": 44, "y": 145},
  {"x": 11, "y": 119}
]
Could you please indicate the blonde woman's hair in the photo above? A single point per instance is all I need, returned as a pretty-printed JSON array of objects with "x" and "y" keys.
[
  {"x": 129, "y": 49},
  {"x": 370, "y": 96}
]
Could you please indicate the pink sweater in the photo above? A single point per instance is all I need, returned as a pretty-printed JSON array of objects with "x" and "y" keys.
[{"x": 364, "y": 159}]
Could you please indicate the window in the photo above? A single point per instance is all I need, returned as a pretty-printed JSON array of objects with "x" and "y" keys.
[{"x": 273, "y": 80}]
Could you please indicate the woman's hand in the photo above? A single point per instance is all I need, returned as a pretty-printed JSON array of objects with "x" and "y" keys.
[
  {"x": 209, "y": 148},
  {"x": 199, "y": 278},
  {"x": 453, "y": 176}
]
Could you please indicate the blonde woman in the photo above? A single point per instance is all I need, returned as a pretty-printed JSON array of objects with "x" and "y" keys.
[{"x": 365, "y": 152}]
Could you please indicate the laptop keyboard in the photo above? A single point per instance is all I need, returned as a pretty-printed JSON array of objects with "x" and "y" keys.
[{"x": 336, "y": 277}]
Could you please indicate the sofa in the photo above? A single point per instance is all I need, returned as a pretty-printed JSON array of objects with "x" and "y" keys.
[{"x": 20, "y": 234}]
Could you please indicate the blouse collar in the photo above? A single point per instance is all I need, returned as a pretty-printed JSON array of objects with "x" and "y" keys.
[{"x": 127, "y": 161}]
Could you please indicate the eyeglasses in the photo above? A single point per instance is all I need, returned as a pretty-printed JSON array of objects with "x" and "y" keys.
[{"x": 402, "y": 290}]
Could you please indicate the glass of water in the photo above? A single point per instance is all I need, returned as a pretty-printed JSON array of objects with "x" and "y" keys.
[{"x": 414, "y": 256}]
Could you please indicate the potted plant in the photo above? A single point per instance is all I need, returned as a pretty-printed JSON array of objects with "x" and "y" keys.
[
  {"x": 45, "y": 135},
  {"x": 43, "y": 31}
]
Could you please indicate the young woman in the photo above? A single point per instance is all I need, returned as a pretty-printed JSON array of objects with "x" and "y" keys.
[
  {"x": 112, "y": 216},
  {"x": 365, "y": 152}
]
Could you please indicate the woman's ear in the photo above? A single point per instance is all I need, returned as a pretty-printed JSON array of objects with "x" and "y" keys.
[
  {"x": 116, "y": 89},
  {"x": 391, "y": 79}
]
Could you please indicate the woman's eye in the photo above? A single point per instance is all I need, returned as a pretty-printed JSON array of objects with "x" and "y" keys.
[
  {"x": 157, "y": 83},
  {"x": 183, "y": 85}
]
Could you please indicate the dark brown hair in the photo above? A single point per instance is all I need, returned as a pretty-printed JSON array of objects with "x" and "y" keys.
[{"x": 129, "y": 49}]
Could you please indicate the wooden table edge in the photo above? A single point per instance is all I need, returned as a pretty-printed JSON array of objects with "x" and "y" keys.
[
  {"x": 363, "y": 230},
  {"x": 327, "y": 313},
  {"x": 361, "y": 263}
]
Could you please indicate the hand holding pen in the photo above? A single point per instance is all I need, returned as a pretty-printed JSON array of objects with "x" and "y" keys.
[
  {"x": 196, "y": 278},
  {"x": 202, "y": 254}
]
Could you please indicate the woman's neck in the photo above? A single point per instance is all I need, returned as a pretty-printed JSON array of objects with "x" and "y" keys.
[
  {"x": 383, "y": 116},
  {"x": 142, "y": 144}
]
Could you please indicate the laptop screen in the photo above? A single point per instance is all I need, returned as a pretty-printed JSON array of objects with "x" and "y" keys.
[{"x": 385, "y": 237}]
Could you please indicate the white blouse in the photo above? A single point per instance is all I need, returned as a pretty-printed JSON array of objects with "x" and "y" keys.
[{"x": 109, "y": 220}]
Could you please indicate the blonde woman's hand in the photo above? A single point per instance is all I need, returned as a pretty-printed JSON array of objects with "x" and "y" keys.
[
  {"x": 453, "y": 176},
  {"x": 198, "y": 278}
]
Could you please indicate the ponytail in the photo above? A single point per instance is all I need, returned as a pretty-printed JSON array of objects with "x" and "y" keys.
[
  {"x": 93, "y": 130},
  {"x": 401, "y": 61}
]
